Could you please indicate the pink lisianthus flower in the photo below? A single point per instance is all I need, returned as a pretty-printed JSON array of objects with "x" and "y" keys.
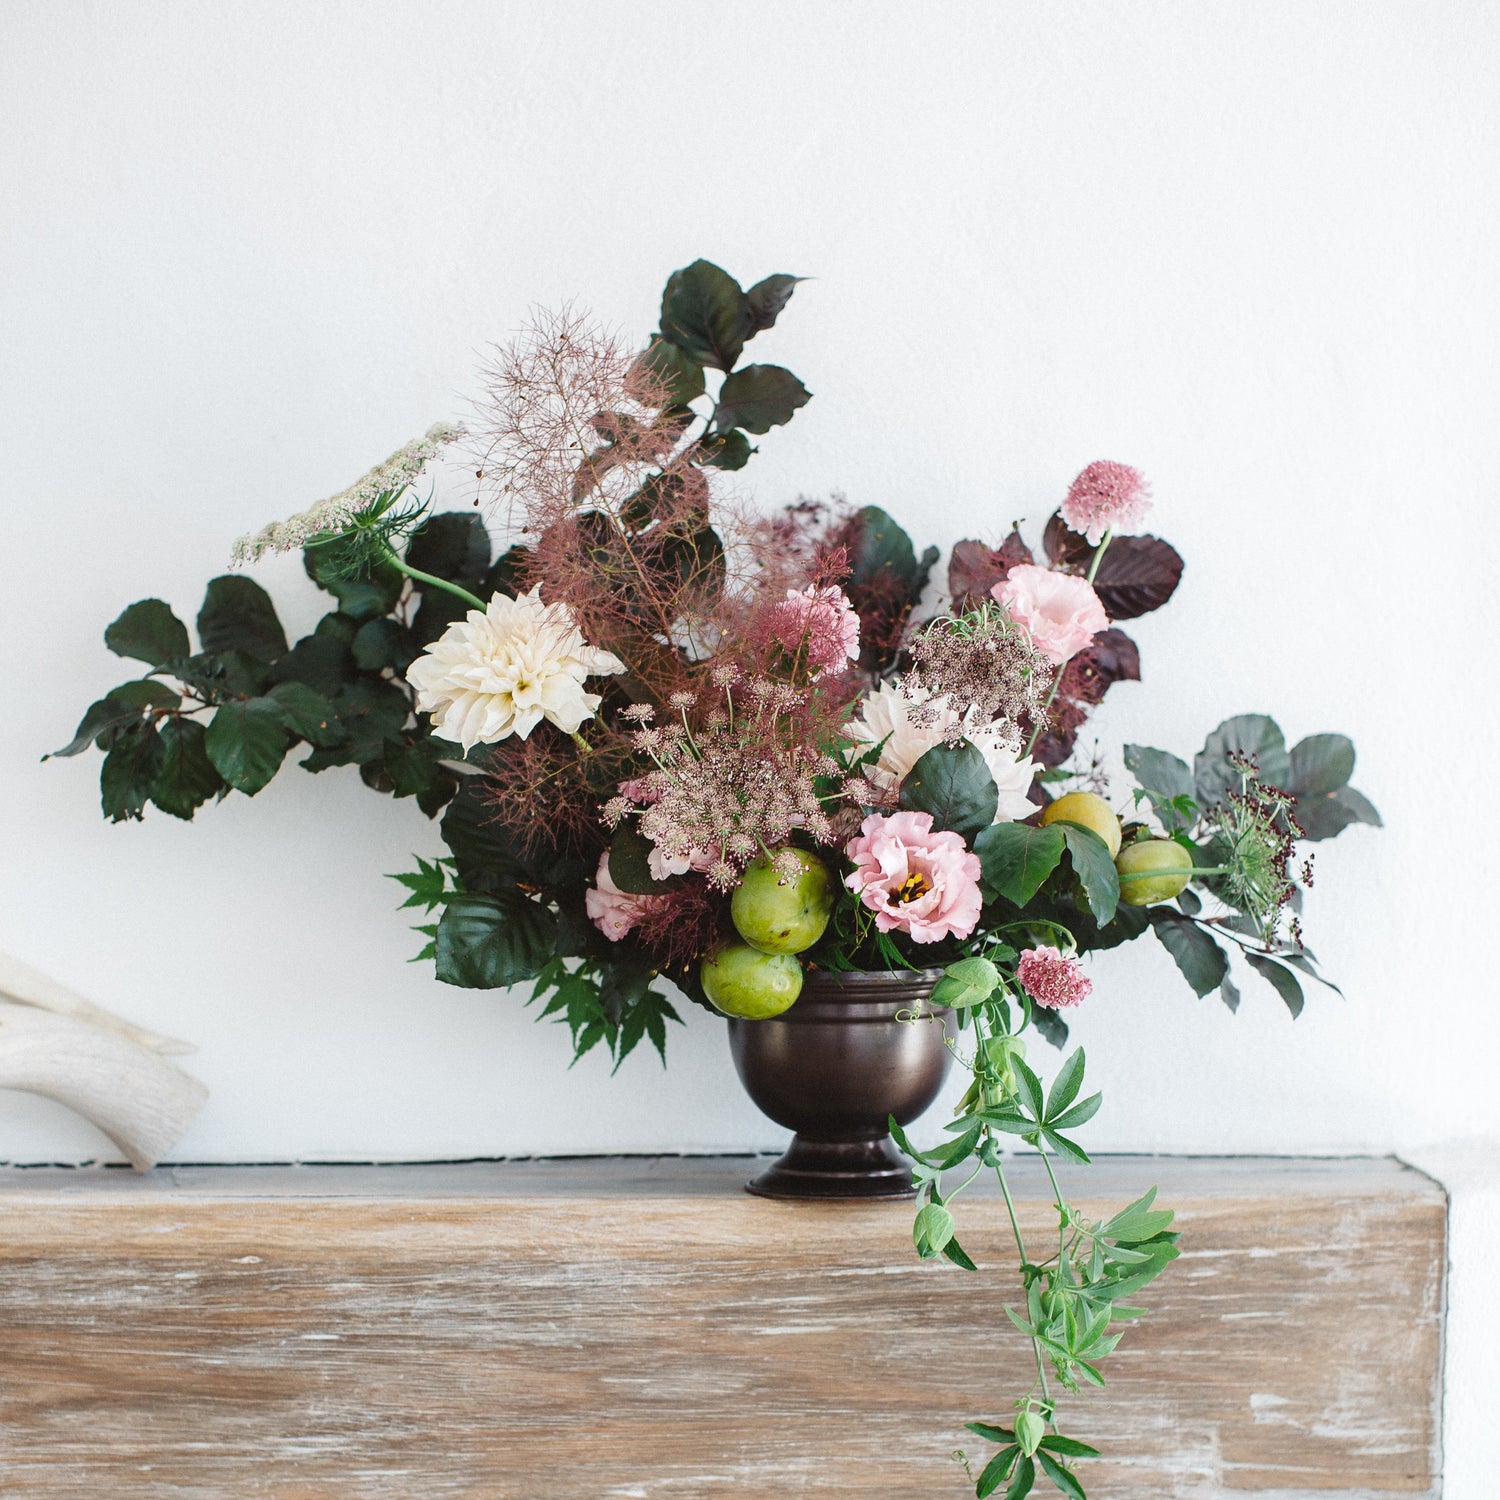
[
  {"x": 1062, "y": 614},
  {"x": 1106, "y": 497},
  {"x": 1051, "y": 980},
  {"x": 819, "y": 623},
  {"x": 613, "y": 911},
  {"x": 922, "y": 883}
]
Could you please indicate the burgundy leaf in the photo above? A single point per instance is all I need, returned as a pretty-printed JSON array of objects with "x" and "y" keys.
[
  {"x": 1064, "y": 546},
  {"x": 1111, "y": 658},
  {"x": 1136, "y": 575},
  {"x": 974, "y": 569}
]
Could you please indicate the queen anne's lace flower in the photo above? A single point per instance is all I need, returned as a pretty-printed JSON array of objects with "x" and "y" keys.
[
  {"x": 502, "y": 670},
  {"x": 922, "y": 883},
  {"x": 912, "y": 722},
  {"x": 1052, "y": 980},
  {"x": 1106, "y": 497},
  {"x": 334, "y": 513}
]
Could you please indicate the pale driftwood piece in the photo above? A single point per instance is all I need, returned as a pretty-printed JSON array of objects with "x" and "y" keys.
[
  {"x": 137, "y": 1098},
  {"x": 27, "y": 986},
  {"x": 642, "y": 1330}
]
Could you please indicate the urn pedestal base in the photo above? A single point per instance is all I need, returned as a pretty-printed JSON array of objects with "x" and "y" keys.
[{"x": 855, "y": 1051}]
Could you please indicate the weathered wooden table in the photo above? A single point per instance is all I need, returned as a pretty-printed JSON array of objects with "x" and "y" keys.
[{"x": 641, "y": 1328}]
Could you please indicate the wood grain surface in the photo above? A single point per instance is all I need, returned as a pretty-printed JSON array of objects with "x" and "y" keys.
[{"x": 642, "y": 1330}]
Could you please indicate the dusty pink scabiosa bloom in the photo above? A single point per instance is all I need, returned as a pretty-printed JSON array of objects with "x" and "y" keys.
[
  {"x": 922, "y": 883},
  {"x": 1106, "y": 497},
  {"x": 1051, "y": 980},
  {"x": 613, "y": 911},
  {"x": 819, "y": 624},
  {"x": 1062, "y": 614}
]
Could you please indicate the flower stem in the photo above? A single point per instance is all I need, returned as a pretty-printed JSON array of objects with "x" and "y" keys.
[
  {"x": 1104, "y": 542},
  {"x": 584, "y": 748},
  {"x": 1093, "y": 573},
  {"x": 397, "y": 561}
]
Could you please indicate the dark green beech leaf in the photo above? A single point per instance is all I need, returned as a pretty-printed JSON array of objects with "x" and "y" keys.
[
  {"x": 954, "y": 784},
  {"x": 629, "y": 863},
  {"x": 1159, "y": 771},
  {"x": 187, "y": 778},
  {"x": 324, "y": 663},
  {"x": 1095, "y": 870},
  {"x": 488, "y": 942},
  {"x": 675, "y": 370},
  {"x": 758, "y": 398},
  {"x": 704, "y": 312},
  {"x": 130, "y": 772},
  {"x": 364, "y": 589},
  {"x": 1202, "y": 961},
  {"x": 124, "y": 705},
  {"x": 1281, "y": 979},
  {"x": 308, "y": 714},
  {"x": 247, "y": 741},
  {"x": 148, "y": 632},
  {"x": 1016, "y": 858},
  {"x": 382, "y": 643},
  {"x": 238, "y": 615},
  {"x": 481, "y": 847},
  {"x": 1321, "y": 763},
  {"x": 726, "y": 450},
  {"x": 454, "y": 544},
  {"x": 1254, "y": 735},
  {"x": 767, "y": 298}
]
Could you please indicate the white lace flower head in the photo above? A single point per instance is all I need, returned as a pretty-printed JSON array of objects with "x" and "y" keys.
[
  {"x": 502, "y": 670},
  {"x": 912, "y": 722}
]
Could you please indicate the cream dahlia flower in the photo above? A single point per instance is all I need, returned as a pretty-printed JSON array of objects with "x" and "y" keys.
[
  {"x": 502, "y": 670},
  {"x": 890, "y": 714}
]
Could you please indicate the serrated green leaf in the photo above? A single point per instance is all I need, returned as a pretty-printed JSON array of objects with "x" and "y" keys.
[
  {"x": 1080, "y": 1114},
  {"x": 996, "y": 1471},
  {"x": 1061, "y": 1477},
  {"x": 1065, "y": 1086}
]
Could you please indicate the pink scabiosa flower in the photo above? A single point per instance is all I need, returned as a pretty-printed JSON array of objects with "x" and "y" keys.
[
  {"x": 821, "y": 624},
  {"x": 1062, "y": 614},
  {"x": 613, "y": 911},
  {"x": 1106, "y": 497},
  {"x": 1051, "y": 980},
  {"x": 922, "y": 883}
]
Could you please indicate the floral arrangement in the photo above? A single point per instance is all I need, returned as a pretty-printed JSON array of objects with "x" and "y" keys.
[{"x": 672, "y": 738}]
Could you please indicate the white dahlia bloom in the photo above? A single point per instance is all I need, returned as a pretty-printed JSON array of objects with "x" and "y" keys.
[
  {"x": 888, "y": 714},
  {"x": 502, "y": 670}
]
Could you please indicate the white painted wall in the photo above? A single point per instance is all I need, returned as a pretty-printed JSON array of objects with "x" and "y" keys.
[{"x": 246, "y": 250}]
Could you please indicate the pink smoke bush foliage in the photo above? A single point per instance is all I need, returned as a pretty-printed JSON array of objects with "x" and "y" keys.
[
  {"x": 1051, "y": 980},
  {"x": 918, "y": 882},
  {"x": 1106, "y": 496},
  {"x": 1062, "y": 614},
  {"x": 820, "y": 626}
]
